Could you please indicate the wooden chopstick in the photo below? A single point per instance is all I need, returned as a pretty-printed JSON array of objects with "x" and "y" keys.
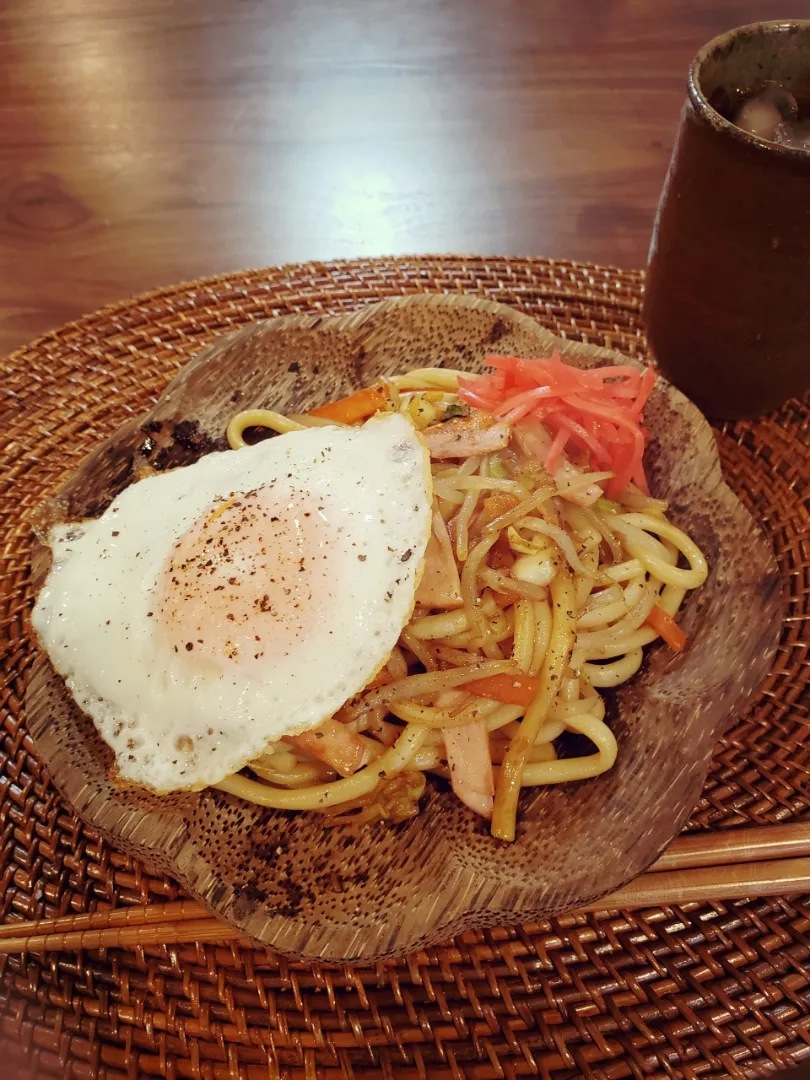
[
  {"x": 735, "y": 846},
  {"x": 764, "y": 861},
  {"x": 770, "y": 877},
  {"x": 128, "y": 937},
  {"x": 179, "y": 911}
]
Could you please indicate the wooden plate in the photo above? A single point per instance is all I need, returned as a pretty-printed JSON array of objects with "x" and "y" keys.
[{"x": 340, "y": 894}]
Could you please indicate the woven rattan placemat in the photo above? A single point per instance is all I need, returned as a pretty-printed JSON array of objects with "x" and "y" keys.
[{"x": 702, "y": 990}]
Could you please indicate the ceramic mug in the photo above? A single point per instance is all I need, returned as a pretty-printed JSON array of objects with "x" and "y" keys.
[{"x": 727, "y": 298}]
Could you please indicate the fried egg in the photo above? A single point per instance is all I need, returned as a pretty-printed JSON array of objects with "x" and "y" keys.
[{"x": 213, "y": 609}]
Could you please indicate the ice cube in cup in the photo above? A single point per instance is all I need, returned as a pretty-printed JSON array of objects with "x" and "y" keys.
[
  {"x": 762, "y": 113},
  {"x": 794, "y": 134}
]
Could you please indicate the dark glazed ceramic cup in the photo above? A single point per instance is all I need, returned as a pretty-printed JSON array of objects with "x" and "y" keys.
[{"x": 727, "y": 301}]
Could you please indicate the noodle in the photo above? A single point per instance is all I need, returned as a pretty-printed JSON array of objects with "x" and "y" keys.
[
  {"x": 507, "y": 788},
  {"x": 566, "y": 591},
  {"x": 523, "y": 648},
  {"x": 543, "y": 494},
  {"x": 527, "y": 589},
  {"x": 590, "y": 644},
  {"x": 614, "y": 674},
  {"x": 635, "y": 529},
  {"x": 419, "y": 649},
  {"x": 435, "y": 627},
  {"x": 301, "y": 774},
  {"x": 452, "y": 657},
  {"x": 623, "y": 571},
  {"x": 561, "y": 772},
  {"x": 434, "y": 681},
  {"x": 637, "y": 500},
  {"x": 463, "y": 525},
  {"x": 340, "y": 791},
  {"x": 602, "y": 608},
  {"x": 469, "y": 593},
  {"x": 448, "y": 492},
  {"x": 539, "y": 752},
  {"x": 598, "y": 522},
  {"x": 561, "y": 539},
  {"x": 542, "y": 635},
  {"x": 489, "y": 483},
  {"x": 258, "y": 418},
  {"x": 397, "y": 667},
  {"x": 443, "y": 378},
  {"x": 503, "y": 716},
  {"x": 432, "y": 717}
]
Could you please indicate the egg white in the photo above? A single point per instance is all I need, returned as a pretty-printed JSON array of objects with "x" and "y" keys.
[{"x": 173, "y": 723}]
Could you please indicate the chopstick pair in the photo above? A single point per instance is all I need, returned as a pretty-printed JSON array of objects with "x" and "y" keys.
[{"x": 764, "y": 861}]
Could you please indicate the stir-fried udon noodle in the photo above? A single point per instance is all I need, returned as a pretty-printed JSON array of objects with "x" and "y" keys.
[{"x": 538, "y": 593}]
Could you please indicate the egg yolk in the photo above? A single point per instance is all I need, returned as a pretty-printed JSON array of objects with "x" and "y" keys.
[{"x": 248, "y": 579}]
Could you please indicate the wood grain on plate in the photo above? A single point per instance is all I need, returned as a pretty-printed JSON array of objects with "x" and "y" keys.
[
  {"x": 146, "y": 143},
  {"x": 339, "y": 894}
]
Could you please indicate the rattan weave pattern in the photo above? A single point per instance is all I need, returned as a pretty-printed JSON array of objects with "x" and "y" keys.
[{"x": 707, "y": 990}]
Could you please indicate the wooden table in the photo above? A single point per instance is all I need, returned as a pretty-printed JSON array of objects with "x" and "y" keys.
[{"x": 149, "y": 141}]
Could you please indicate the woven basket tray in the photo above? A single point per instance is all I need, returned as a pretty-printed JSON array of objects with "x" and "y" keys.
[{"x": 702, "y": 990}]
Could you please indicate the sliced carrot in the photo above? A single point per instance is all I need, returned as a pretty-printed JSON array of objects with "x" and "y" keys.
[
  {"x": 500, "y": 599},
  {"x": 510, "y": 689},
  {"x": 333, "y": 743},
  {"x": 501, "y": 502},
  {"x": 666, "y": 626},
  {"x": 501, "y": 556},
  {"x": 356, "y": 407},
  {"x": 382, "y": 677}
]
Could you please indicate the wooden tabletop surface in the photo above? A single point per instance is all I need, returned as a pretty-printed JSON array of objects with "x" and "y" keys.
[{"x": 153, "y": 141}]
